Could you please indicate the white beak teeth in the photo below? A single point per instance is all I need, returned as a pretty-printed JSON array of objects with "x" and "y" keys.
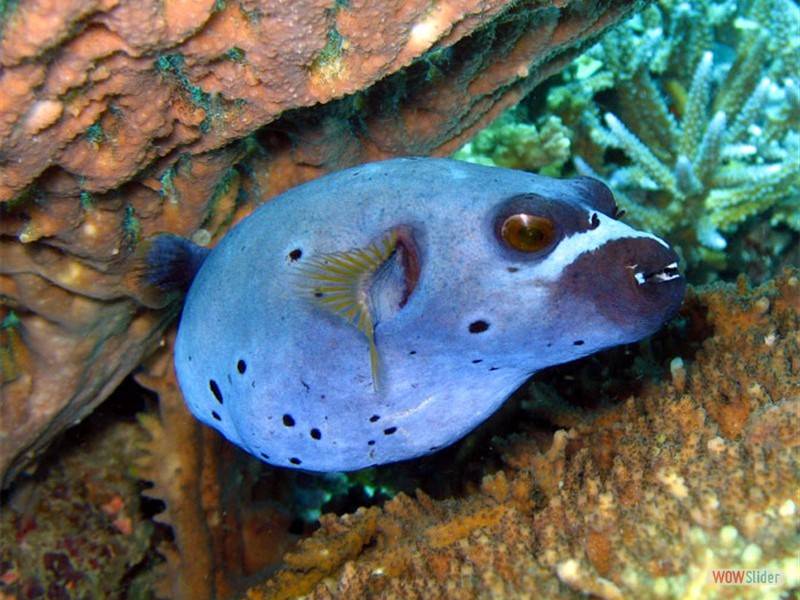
[{"x": 668, "y": 273}]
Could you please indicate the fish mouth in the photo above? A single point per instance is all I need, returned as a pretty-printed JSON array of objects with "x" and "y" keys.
[
  {"x": 655, "y": 286},
  {"x": 662, "y": 275}
]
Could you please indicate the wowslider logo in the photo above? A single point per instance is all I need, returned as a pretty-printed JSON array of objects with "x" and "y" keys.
[{"x": 765, "y": 577}]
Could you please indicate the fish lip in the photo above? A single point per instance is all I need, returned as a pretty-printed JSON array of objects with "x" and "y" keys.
[{"x": 668, "y": 273}]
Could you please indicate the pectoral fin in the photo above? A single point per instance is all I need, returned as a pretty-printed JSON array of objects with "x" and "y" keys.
[{"x": 341, "y": 282}]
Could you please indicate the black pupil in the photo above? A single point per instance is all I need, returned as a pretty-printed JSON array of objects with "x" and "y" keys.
[{"x": 531, "y": 235}]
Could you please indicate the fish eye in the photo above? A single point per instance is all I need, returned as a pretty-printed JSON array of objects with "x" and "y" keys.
[{"x": 527, "y": 233}]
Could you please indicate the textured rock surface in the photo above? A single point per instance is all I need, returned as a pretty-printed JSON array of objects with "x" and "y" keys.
[
  {"x": 681, "y": 466},
  {"x": 120, "y": 119},
  {"x": 78, "y": 528}
]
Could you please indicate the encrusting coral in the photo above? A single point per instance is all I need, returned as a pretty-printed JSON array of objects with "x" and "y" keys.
[
  {"x": 121, "y": 120},
  {"x": 641, "y": 499},
  {"x": 643, "y": 488},
  {"x": 77, "y": 528}
]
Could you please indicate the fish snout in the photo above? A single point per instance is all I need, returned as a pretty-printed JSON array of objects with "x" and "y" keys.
[
  {"x": 653, "y": 275},
  {"x": 633, "y": 283},
  {"x": 645, "y": 279}
]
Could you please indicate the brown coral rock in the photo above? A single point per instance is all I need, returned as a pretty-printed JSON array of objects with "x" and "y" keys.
[
  {"x": 120, "y": 119},
  {"x": 135, "y": 68},
  {"x": 76, "y": 529},
  {"x": 651, "y": 494}
]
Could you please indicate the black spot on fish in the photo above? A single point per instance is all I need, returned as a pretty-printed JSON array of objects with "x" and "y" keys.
[
  {"x": 318, "y": 294},
  {"x": 295, "y": 461},
  {"x": 477, "y": 361},
  {"x": 478, "y": 326},
  {"x": 265, "y": 456},
  {"x": 373, "y": 418},
  {"x": 288, "y": 420},
  {"x": 215, "y": 390},
  {"x": 578, "y": 343},
  {"x": 412, "y": 353},
  {"x": 594, "y": 221},
  {"x": 494, "y": 368},
  {"x": 316, "y": 434},
  {"x": 389, "y": 430},
  {"x": 513, "y": 269},
  {"x": 295, "y": 254},
  {"x": 241, "y": 366},
  {"x": 215, "y": 414},
  {"x": 371, "y": 443}
]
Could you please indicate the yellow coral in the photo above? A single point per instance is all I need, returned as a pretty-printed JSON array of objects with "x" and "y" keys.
[{"x": 646, "y": 499}]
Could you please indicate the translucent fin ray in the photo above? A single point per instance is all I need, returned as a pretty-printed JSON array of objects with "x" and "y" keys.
[{"x": 340, "y": 282}]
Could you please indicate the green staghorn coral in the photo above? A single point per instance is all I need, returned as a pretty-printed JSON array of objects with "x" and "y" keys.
[{"x": 690, "y": 111}]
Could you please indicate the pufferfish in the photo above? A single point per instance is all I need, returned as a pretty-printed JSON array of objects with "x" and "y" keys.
[{"x": 382, "y": 312}]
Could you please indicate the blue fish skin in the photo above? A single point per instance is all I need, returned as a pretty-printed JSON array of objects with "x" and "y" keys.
[{"x": 460, "y": 318}]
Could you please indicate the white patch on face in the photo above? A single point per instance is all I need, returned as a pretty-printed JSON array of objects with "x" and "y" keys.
[{"x": 571, "y": 247}]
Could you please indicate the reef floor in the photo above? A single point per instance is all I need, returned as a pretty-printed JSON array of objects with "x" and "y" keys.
[{"x": 633, "y": 473}]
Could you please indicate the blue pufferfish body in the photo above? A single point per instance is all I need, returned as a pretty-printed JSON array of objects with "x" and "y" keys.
[{"x": 382, "y": 312}]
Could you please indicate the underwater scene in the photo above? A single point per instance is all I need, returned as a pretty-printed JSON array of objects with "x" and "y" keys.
[{"x": 345, "y": 299}]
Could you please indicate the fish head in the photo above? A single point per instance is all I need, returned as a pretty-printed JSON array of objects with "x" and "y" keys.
[{"x": 545, "y": 276}]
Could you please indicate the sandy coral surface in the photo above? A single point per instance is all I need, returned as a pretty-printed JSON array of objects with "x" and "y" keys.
[
  {"x": 630, "y": 474},
  {"x": 120, "y": 119},
  {"x": 641, "y": 499}
]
